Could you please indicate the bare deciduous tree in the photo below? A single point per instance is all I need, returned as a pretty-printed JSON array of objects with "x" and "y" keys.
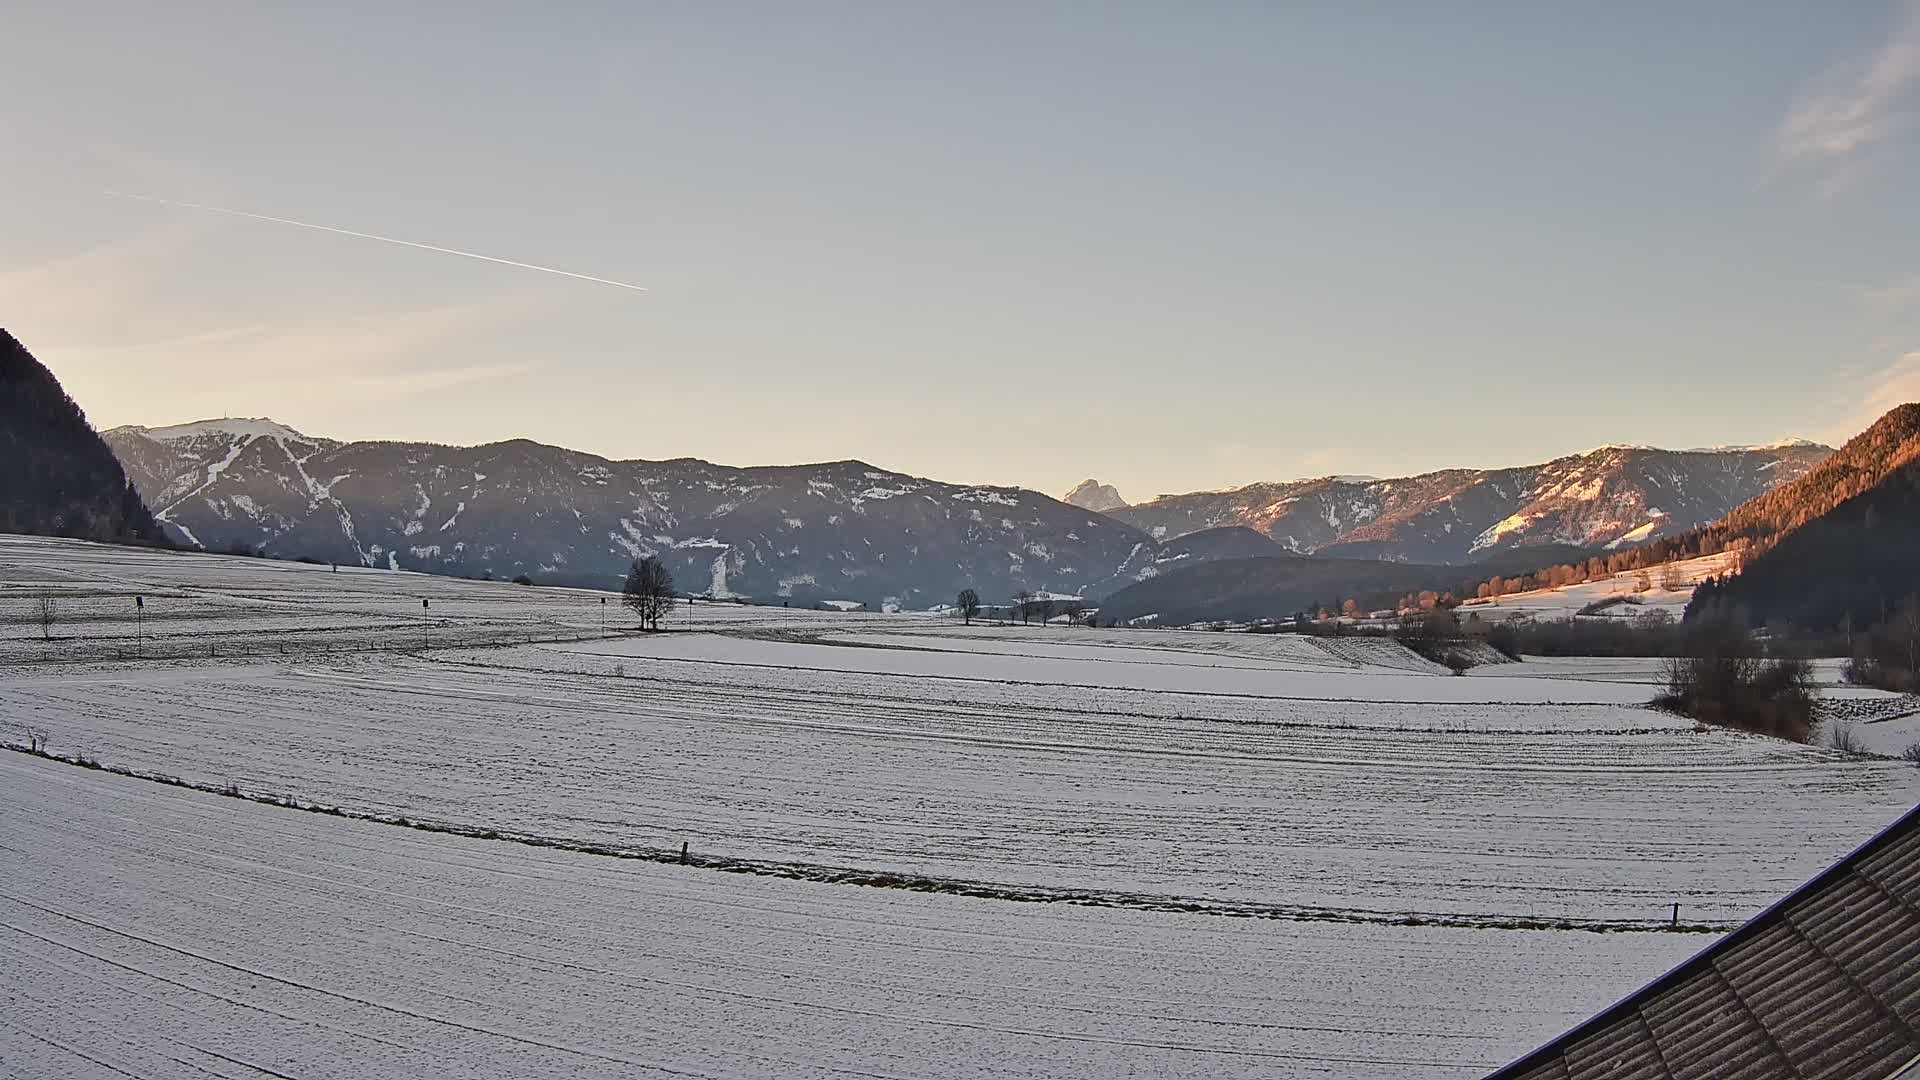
[
  {"x": 968, "y": 604},
  {"x": 1022, "y": 600},
  {"x": 649, "y": 591},
  {"x": 47, "y": 615}
]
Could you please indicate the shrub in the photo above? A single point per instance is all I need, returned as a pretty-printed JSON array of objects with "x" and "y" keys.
[
  {"x": 1841, "y": 736},
  {"x": 1911, "y": 753},
  {"x": 1505, "y": 639},
  {"x": 1867, "y": 669},
  {"x": 522, "y": 579},
  {"x": 1722, "y": 679},
  {"x": 1430, "y": 633},
  {"x": 1457, "y": 662},
  {"x": 1601, "y": 605}
]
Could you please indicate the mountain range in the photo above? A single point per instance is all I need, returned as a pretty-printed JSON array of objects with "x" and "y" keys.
[
  {"x": 849, "y": 530},
  {"x": 1612, "y": 497},
  {"x": 1832, "y": 549},
  {"x": 800, "y": 533}
]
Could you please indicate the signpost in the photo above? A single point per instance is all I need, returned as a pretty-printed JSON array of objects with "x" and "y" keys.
[
  {"x": 139, "y": 625},
  {"x": 423, "y": 623}
]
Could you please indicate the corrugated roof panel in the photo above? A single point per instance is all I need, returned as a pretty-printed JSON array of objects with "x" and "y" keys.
[
  {"x": 1551, "y": 1070},
  {"x": 1896, "y": 869},
  {"x": 1619, "y": 1052},
  {"x": 1877, "y": 940},
  {"x": 1801, "y": 998},
  {"x": 1706, "y": 1033}
]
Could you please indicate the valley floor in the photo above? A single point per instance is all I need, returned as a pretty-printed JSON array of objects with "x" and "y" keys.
[
  {"x": 156, "y": 932},
  {"x": 1438, "y": 872}
]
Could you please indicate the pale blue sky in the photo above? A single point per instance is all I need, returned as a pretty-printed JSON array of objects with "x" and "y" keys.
[{"x": 1173, "y": 246}]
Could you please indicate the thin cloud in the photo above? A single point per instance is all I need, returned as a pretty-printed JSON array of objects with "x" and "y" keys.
[
  {"x": 1872, "y": 395},
  {"x": 291, "y": 371},
  {"x": 1895, "y": 385},
  {"x": 1835, "y": 132},
  {"x": 1895, "y": 298},
  {"x": 351, "y": 386},
  {"x": 76, "y": 287}
]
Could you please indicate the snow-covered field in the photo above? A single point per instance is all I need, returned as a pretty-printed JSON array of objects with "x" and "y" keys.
[
  {"x": 153, "y": 932},
  {"x": 1391, "y": 824},
  {"x": 116, "y": 604}
]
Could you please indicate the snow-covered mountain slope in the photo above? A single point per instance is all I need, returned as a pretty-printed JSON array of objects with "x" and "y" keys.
[
  {"x": 1612, "y": 496},
  {"x": 1630, "y": 594},
  {"x": 806, "y": 532},
  {"x": 1093, "y": 495}
]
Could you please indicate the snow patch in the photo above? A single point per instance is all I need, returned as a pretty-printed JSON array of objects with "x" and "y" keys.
[{"x": 247, "y": 428}]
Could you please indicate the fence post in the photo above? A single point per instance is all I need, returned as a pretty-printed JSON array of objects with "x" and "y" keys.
[{"x": 1676, "y": 914}]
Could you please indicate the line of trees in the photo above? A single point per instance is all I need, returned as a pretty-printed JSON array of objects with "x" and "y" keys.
[
  {"x": 1887, "y": 656},
  {"x": 1030, "y": 607}
]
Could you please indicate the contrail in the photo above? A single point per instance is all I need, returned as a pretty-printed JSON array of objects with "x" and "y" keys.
[{"x": 370, "y": 236}]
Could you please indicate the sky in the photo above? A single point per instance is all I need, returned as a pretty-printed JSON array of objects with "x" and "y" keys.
[{"x": 1172, "y": 246}]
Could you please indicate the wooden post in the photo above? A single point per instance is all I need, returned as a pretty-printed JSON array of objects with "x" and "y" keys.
[
  {"x": 683, "y": 853},
  {"x": 1676, "y": 914}
]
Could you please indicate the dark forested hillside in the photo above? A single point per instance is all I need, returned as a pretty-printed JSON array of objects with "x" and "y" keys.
[
  {"x": 57, "y": 477},
  {"x": 1851, "y": 567},
  {"x": 1274, "y": 587},
  {"x": 1762, "y": 523},
  {"x": 1240, "y": 582},
  {"x": 1862, "y": 464}
]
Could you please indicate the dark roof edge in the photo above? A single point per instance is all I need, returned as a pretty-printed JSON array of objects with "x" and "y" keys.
[{"x": 1909, "y": 821}]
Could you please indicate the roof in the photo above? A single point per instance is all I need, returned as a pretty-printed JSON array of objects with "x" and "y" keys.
[{"x": 1823, "y": 984}]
